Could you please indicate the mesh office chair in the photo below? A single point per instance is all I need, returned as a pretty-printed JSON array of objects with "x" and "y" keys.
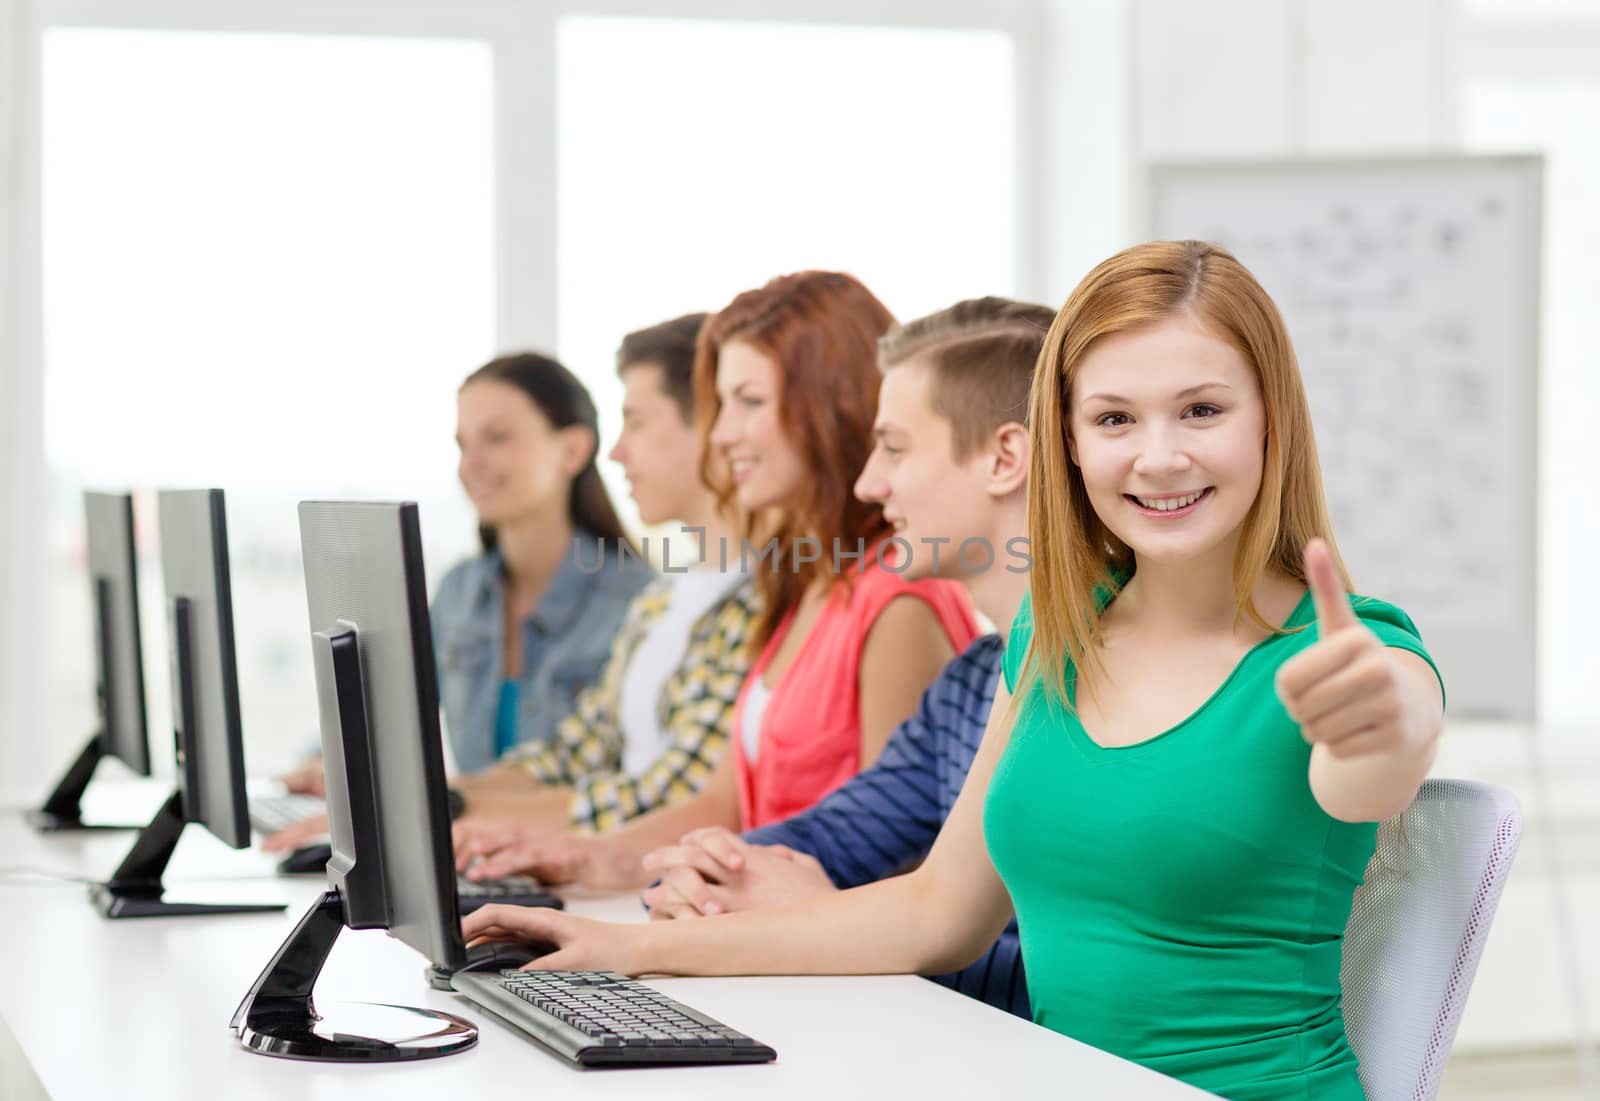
[{"x": 1417, "y": 929}]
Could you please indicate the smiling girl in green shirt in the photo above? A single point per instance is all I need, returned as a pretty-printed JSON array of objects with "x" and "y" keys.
[{"x": 1196, "y": 731}]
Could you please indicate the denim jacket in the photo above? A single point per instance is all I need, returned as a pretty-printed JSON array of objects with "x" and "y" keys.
[{"x": 565, "y": 643}]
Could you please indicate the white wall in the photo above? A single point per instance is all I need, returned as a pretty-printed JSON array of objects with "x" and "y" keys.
[
  {"x": 1275, "y": 78},
  {"x": 21, "y": 412},
  {"x": 1377, "y": 76},
  {"x": 1085, "y": 206}
]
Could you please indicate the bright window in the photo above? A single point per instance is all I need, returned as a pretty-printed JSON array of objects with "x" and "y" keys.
[
  {"x": 698, "y": 159},
  {"x": 268, "y": 264}
]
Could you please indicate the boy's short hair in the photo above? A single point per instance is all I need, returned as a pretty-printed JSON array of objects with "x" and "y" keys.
[
  {"x": 671, "y": 347},
  {"x": 982, "y": 353}
]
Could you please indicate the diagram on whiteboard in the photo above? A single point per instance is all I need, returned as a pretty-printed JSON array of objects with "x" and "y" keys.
[{"x": 1409, "y": 290}]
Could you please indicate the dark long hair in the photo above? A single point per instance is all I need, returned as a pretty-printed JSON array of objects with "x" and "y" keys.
[{"x": 565, "y": 402}]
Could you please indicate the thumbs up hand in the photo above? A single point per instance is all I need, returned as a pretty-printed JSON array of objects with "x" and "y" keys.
[{"x": 1347, "y": 690}]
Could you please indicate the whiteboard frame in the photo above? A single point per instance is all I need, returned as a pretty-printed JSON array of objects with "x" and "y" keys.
[{"x": 1491, "y": 671}]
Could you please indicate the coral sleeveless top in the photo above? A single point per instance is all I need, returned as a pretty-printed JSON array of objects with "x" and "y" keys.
[{"x": 810, "y": 735}]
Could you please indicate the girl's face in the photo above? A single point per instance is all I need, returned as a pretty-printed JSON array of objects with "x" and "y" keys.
[
  {"x": 513, "y": 463},
  {"x": 1167, "y": 426},
  {"x": 767, "y": 469}
]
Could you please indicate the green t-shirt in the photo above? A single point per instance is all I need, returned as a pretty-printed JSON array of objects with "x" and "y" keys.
[{"x": 1182, "y": 901}]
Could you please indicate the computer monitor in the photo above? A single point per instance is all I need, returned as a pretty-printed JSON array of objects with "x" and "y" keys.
[
  {"x": 389, "y": 820},
  {"x": 118, "y": 663},
  {"x": 208, "y": 745}
]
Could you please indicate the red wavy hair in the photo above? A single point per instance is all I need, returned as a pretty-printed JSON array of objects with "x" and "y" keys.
[{"x": 821, "y": 328}]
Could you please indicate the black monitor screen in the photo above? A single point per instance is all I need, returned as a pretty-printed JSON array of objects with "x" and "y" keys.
[
  {"x": 119, "y": 660},
  {"x": 378, "y": 695},
  {"x": 205, "y": 680}
]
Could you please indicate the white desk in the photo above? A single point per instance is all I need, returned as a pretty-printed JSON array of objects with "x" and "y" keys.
[{"x": 92, "y": 1009}]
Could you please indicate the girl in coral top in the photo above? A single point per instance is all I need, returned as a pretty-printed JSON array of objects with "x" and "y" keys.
[{"x": 786, "y": 380}]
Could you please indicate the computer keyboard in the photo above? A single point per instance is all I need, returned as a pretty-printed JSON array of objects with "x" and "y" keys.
[
  {"x": 514, "y": 890},
  {"x": 271, "y": 813},
  {"x": 601, "y": 1018}
]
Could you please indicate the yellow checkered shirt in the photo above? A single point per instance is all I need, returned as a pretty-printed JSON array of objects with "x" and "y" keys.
[{"x": 695, "y": 710}]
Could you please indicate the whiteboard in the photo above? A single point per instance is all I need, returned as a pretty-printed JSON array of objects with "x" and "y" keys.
[{"x": 1411, "y": 291}]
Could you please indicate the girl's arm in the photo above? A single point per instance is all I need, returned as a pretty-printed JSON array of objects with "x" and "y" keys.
[
  {"x": 939, "y": 918},
  {"x": 905, "y": 650}
]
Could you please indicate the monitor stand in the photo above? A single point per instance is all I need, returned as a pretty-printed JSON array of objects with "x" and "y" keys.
[
  {"x": 135, "y": 888},
  {"x": 62, "y": 810},
  {"x": 279, "y": 1018}
]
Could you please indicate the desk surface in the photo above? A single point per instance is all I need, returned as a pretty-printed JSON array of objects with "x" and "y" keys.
[{"x": 140, "y": 1009}]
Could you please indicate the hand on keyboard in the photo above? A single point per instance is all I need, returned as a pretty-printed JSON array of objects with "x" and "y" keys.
[
  {"x": 488, "y": 851},
  {"x": 306, "y": 778},
  {"x": 582, "y": 944},
  {"x": 292, "y": 837}
]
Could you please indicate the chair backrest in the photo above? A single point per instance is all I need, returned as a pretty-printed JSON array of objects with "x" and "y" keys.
[{"x": 1417, "y": 929}]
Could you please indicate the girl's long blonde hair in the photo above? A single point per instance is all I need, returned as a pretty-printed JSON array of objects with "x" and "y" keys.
[{"x": 1075, "y": 556}]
